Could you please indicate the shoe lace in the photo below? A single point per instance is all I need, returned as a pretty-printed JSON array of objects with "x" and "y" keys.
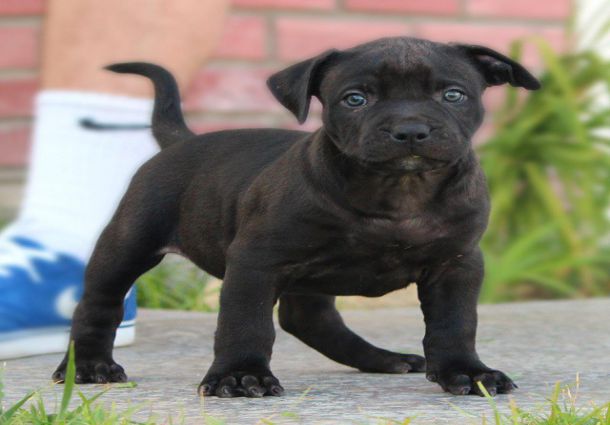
[{"x": 14, "y": 255}]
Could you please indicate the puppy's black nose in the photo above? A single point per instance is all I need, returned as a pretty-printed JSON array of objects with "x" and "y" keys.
[{"x": 412, "y": 132}]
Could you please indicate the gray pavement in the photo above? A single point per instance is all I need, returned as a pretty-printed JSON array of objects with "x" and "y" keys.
[{"x": 537, "y": 343}]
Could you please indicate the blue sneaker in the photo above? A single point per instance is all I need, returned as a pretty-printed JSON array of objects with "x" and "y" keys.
[{"x": 39, "y": 290}]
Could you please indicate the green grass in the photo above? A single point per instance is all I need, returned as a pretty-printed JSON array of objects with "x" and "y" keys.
[
  {"x": 179, "y": 285},
  {"x": 31, "y": 409},
  {"x": 562, "y": 408}
]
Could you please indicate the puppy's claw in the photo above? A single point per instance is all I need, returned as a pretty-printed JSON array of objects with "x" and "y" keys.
[
  {"x": 256, "y": 391},
  {"x": 206, "y": 390},
  {"x": 277, "y": 391},
  {"x": 224, "y": 392},
  {"x": 83, "y": 378},
  {"x": 119, "y": 377},
  {"x": 488, "y": 381},
  {"x": 389, "y": 362},
  {"x": 401, "y": 368},
  {"x": 273, "y": 386},
  {"x": 417, "y": 363},
  {"x": 101, "y": 379},
  {"x": 459, "y": 390},
  {"x": 227, "y": 387},
  {"x": 251, "y": 385},
  {"x": 58, "y": 377}
]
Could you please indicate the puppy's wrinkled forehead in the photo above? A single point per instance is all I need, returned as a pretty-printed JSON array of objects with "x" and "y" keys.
[{"x": 412, "y": 64}]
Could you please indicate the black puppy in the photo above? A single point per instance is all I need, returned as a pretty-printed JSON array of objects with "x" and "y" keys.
[{"x": 386, "y": 193}]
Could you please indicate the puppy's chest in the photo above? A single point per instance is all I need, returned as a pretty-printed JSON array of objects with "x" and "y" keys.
[{"x": 376, "y": 256}]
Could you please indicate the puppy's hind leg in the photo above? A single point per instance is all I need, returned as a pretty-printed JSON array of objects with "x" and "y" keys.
[
  {"x": 125, "y": 250},
  {"x": 315, "y": 321}
]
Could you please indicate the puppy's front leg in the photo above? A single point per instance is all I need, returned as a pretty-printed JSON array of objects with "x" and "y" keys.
[
  {"x": 244, "y": 337},
  {"x": 448, "y": 298}
]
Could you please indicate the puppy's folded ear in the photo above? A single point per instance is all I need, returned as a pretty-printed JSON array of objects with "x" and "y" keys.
[
  {"x": 498, "y": 69},
  {"x": 294, "y": 86}
]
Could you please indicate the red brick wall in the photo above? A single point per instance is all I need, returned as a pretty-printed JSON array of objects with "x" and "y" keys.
[{"x": 265, "y": 35}]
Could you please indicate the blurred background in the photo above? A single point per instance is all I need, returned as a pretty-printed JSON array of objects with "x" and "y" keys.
[{"x": 546, "y": 153}]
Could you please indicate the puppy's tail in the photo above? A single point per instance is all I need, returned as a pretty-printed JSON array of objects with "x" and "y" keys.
[{"x": 168, "y": 124}]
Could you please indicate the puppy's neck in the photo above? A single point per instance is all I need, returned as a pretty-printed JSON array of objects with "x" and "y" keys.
[{"x": 378, "y": 193}]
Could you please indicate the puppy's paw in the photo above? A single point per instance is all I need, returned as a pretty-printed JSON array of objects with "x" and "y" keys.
[
  {"x": 93, "y": 372},
  {"x": 240, "y": 384},
  {"x": 461, "y": 382},
  {"x": 389, "y": 362}
]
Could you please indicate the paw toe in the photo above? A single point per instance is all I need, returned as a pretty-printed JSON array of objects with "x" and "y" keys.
[
  {"x": 503, "y": 383},
  {"x": 488, "y": 381},
  {"x": 251, "y": 385},
  {"x": 227, "y": 387},
  {"x": 58, "y": 376},
  {"x": 273, "y": 386},
  {"x": 416, "y": 363},
  {"x": 207, "y": 388},
  {"x": 459, "y": 385},
  {"x": 101, "y": 379}
]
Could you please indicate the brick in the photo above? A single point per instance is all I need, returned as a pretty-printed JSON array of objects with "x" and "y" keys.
[
  {"x": 286, "y": 4},
  {"x": 21, "y": 7},
  {"x": 232, "y": 89},
  {"x": 302, "y": 38},
  {"x": 244, "y": 37},
  {"x": 14, "y": 146},
  {"x": 433, "y": 7},
  {"x": 19, "y": 47},
  {"x": 17, "y": 97},
  {"x": 540, "y": 9},
  {"x": 496, "y": 36}
]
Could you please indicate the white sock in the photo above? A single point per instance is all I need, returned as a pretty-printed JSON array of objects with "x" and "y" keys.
[{"x": 77, "y": 175}]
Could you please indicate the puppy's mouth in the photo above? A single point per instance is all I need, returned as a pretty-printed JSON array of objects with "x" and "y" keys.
[
  {"x": 386, "y": 155},
  {"x": 418, "y": 163},
  {"x": 410, "y": 163}
]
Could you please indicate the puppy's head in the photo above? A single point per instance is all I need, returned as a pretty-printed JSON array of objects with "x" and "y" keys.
[{"x": 399, "y": 104}]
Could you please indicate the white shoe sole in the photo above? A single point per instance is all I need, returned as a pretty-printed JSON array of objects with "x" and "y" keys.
[{"x": 52, "y": 340}]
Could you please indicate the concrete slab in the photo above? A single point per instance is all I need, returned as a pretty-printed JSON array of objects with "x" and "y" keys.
[{"x": 537, "y": 343}]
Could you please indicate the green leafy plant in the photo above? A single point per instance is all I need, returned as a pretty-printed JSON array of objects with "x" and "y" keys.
[{"x": 548, "y": 169}]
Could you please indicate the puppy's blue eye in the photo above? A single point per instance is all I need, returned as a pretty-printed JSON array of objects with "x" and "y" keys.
[
  {"x": 354, "y": 100},
  {"x": 454, "y": 96}
]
